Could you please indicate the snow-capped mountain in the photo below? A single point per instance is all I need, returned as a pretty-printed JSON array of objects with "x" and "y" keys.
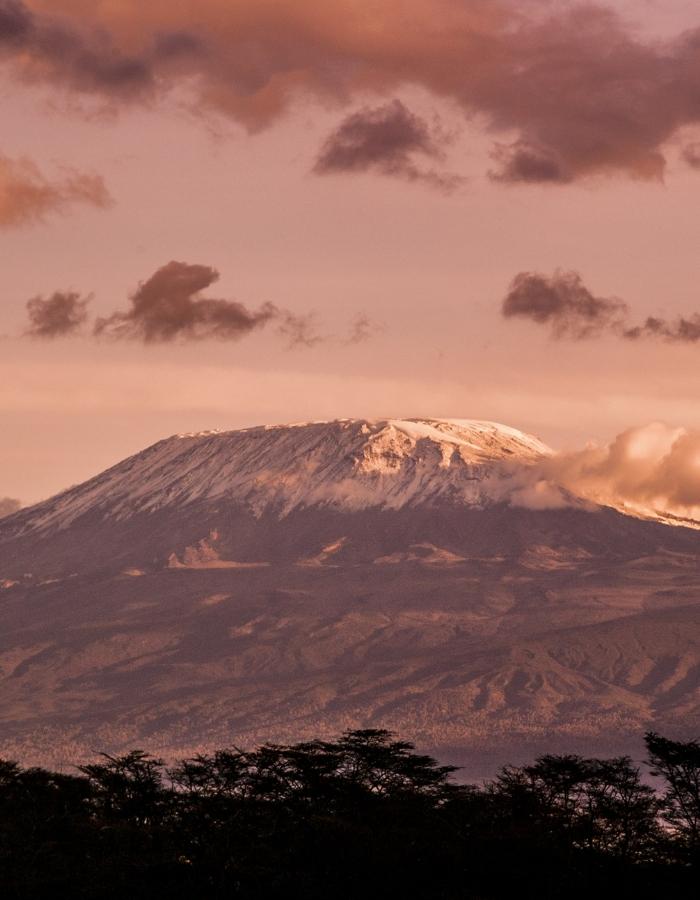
[
  {"x": 286, "y": 582},
  {"x": 347, "y": 464}
]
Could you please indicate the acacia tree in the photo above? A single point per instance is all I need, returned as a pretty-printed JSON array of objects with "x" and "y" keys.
[
  {"x": 129, "y": 787},
  {"x": 620, "y": 810},
  {"x": 367, "y": 761},
  {"x": 547, "y": 795},
  {"x": 597, "y": 804},
  {"x": 678, "y": 763}
]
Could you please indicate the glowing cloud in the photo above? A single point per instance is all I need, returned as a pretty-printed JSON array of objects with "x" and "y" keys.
[
  {"x": 649, "y": 470},
  {"x": 27, "y": 196}
]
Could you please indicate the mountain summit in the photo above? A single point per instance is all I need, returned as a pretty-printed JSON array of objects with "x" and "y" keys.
[
  {"x": 281, "y": 582},
  {"x": 347, "y": 464}
]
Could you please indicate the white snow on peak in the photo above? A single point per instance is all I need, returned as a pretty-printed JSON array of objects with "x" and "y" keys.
[
  {"x": 441, "y": 430},
  {"x": 467, "y": 432},
  {"x": 346, "y": 463}
]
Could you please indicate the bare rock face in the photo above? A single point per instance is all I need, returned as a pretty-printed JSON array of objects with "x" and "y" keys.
[{"x": 281, "y": 583}]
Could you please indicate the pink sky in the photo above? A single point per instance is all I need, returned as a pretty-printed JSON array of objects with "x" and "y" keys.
[{"x": 190, "y": 181}]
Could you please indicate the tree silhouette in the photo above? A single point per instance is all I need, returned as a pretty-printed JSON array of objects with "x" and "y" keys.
[
  {"x": 363, "y": 815},
  {"x": 129, "y": 787},
  {"x": 678, "y": 763}
]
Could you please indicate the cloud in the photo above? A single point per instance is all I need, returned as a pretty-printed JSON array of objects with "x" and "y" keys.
[
  {"x": 575, "y": 90},
  {"x": 521, "y": 161},
  {"x": 300, "y": 330},
  {"x": 169, "y": 306},
  {"x": 563, "y": 303},
  {"x": 60, "y": 315},
  {"x": 681, "y": 331},
  {"x": 361, "y": 329},
  {"x": 64, "y": 51},
  {"x": 650, "y": 469},
  {"x": 27, "y": 196},
  {"x": 8, "y": 505},
  {"x": 691, "y": 154},
  {"x": 385, "y": 140}
]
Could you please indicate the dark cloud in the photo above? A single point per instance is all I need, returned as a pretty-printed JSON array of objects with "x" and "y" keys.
[
  {"x": 586, "y": 96},
  {"x": 578, "y": 91},
  {"x": 177, "y": 45},
  {"x": 386, "y": 139},
  {"x": 7, "y": 504},
  {"x": 16, "y": 23},
  {"x": 27, "y": 196},
  {"x": 169, "y": 306},
  {"x": 564, "y": 304},
  {"x": 64, "y": 52},
  {"x": 60, "y": 315},
  {"x": 523, "y": 162}
]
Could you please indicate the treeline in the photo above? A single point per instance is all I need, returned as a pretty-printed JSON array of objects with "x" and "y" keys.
[{"x": 361, "y": 817}]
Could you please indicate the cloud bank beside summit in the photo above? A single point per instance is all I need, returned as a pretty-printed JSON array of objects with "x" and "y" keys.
[{"x": 649, "y": 470}]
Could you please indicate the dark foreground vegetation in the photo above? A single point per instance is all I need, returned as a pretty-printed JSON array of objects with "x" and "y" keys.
[{"x": 361, "y": 817}]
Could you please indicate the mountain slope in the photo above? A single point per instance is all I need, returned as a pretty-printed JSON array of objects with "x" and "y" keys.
[
  {"x": 347, "y": 464},
  {"x": 284, "y": 582}
]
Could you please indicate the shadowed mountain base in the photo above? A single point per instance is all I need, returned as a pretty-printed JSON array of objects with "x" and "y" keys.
[{"x": 483, "y": 635}]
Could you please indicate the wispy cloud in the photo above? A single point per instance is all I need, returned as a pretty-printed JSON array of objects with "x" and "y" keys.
[
  {"x": 27, "y": 196},
  {"x": 362, "y": 328},
  {"x": 300, "y": 330}
]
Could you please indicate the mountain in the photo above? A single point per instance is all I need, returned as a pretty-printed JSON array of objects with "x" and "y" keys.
[
  {"x": 347, "y": 464},
  {"x": 283, "y": 582}
]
